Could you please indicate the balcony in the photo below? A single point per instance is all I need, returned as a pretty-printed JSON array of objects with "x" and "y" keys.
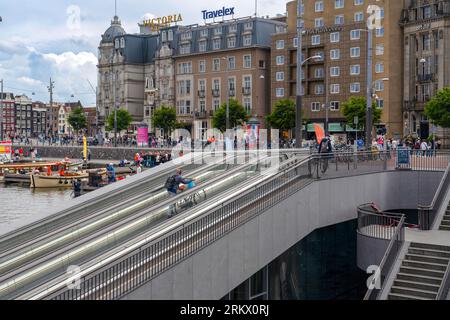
[
  {"x": 216, "y": 93},
  {"x": 201, "y": 115},
  {"x": 247, "y": 91},
  {"x": 425, "y": 77},
  {"x": 201, "y": 93}
]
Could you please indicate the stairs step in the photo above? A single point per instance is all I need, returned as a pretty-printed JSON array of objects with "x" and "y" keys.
[
  {"x": 416, "y": 285},
  {"x": 397, "y": 296},
  {"x": 432, "y": 259},
  {"x": 414, "y": 292},
  {"x": 444, "y": 228},
  {"x": 429, "y": 246},
  {"x": 422, "y": 272},
  {"x": 419, "y": 278},
  {"x": 429, "y": 253},
  {"x": 425, "y": 265},
  {"x": 445, "y": 223}
]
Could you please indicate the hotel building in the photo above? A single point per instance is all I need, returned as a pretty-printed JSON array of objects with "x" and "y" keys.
[{"x": 336, "y": 30}]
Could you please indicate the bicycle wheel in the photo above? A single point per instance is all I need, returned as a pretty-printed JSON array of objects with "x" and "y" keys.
[{"x": 323, "y": 165}]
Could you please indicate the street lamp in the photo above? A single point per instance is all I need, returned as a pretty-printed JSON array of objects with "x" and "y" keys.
[
  {"x": 298, "y": 113},
  {"x": 227, "y": 119}
]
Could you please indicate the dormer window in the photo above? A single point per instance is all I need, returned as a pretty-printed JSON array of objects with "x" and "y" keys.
[
  {"x": 170, "y": 35},
  {"x": 122, "y": 43},
  {"x": 248, "y": 26},
  {"x": 117, "y": 44}
]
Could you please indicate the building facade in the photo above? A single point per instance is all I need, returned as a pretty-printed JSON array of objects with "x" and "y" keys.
[
  {"x": 426, "y": 26},
  {"x": 337, "y": 31},
  {"x": 186, "y": 67},
  {"x": 8, "y": 114},
  {"x": 23, "y": 116},
  {"x": 39, "y": 127}
]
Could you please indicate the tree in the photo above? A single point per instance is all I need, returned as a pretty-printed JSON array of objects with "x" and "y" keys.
[
  {"x": 77, "y": 119},
  {"x": 165, "y": 118},
  {"x": 237, "y": 115},
  {"x": 124, "y": 120},
  {"x": 438, "y": 108},
  {"x": 283, "y": 115},
  {"x": 357, "y": 107}
]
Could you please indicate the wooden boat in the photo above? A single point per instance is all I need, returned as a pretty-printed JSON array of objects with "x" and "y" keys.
[
  {"x": 24, "y": 168},
  {"x": 22, "y": 178},
  {"x": 56, "y": 181}
]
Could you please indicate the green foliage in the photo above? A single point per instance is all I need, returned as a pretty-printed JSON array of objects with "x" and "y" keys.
[
  {"x": 165, "y": 118},
  {"x": 356, "y": 107},
  {"x": 124, "y": 120},
  {"x": 77, "y": 119},
  {"x": 238, "y": 115},
  {"x": 283, "y": 115},
  {"x": 438, "y": 108}
]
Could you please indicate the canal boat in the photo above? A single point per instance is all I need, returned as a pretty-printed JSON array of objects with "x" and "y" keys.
[
  {"x": 21, "y": 170},
  {"x": 56, "y": 181}
]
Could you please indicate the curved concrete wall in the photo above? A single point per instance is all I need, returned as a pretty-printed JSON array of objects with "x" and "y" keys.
[
  {"x": 370, "y": 251},
  {"x": 222, "y": 266}
]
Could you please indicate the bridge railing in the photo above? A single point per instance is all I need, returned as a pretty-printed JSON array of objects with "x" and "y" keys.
[
  {"x": 380, "y": 225},
  {"x": 428, "y": 213},
  {"x": 174, "y": 242}
]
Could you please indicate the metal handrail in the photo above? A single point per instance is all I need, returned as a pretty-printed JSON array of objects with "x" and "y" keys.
[
  {"x": 428, "y": 213},
  {"x": 384, "y": 223},
  {"x": 398, "y": 235},
  {"x": 445, "y": 285}
]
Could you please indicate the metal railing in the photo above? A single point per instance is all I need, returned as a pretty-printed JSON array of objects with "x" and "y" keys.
[
  {"x": 445, "y": 285},
  {"x": 128, "y": 268},
  {"x": 428, "y": 214},
  {"x": 389, "y": 226},
  {"x": 430, "y": 160}
]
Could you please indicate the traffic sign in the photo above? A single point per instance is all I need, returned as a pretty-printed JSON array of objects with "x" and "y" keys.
[{"x": 356, "y": 120}]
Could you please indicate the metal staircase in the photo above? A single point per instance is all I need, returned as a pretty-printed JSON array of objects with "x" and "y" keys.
[
  {"x": 421, "y": 273},
  {"x": 445, "y": 224}
]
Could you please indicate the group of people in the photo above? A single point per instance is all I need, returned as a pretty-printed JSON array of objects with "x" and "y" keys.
[{"x": 152, "y": 159}]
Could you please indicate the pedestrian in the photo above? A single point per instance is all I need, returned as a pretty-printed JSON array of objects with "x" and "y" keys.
[{"x": 172, "y": 186}]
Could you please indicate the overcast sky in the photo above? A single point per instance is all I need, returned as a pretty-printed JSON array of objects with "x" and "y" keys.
[{"x": 43, "y": 39}]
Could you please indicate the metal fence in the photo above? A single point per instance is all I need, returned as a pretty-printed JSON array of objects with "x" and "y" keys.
[
  {"x": 383, "y": 226},
  {"x": 428, "y": 214},
  {"x": 163, "y": 250}
]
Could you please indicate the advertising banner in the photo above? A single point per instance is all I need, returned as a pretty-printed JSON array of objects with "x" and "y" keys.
[
  {"x": 142, "y": 137},
  {"x": 5, "y": 151}
]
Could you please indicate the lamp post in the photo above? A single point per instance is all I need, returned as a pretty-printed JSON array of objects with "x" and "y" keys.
[
  {"x": 227, "y": 117},
  {"x": 1, "y": 110}
]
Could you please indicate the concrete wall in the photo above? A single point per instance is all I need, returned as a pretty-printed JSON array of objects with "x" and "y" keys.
[
  {"x": 216, "y": 270},
  {"x": 98, "y": 153},
  {"x": 370, "y": 251}
]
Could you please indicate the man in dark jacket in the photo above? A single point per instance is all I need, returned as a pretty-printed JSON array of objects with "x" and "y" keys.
[{"x": 173, "y": 189}]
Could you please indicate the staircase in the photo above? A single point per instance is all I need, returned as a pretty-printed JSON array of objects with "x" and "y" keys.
[
  {"x": 421, "y": 273},
  {"x": 445, "y": 224}
]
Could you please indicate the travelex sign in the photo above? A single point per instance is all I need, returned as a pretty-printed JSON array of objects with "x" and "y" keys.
[{"x": 218, "y": 13}]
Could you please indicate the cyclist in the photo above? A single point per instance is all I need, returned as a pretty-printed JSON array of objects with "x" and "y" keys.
[{"x": 325, "y": 145}]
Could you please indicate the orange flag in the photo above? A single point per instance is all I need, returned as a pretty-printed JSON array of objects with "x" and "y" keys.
[{"x": 320, "y": 132}]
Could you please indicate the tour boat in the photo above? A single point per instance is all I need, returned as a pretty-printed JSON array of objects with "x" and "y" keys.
[{"x": 56, "y": 181}]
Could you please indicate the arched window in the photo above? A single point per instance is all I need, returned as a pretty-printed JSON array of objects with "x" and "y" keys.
[
  {"x": 122, "y": 43},
  {"x": 117, "y": 43}
]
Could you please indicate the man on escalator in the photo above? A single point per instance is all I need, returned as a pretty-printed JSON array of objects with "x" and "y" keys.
[{"x": 172, "y": 186}]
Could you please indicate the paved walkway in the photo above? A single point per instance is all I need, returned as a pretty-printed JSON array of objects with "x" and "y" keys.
[{"x": 436, "y": 237}]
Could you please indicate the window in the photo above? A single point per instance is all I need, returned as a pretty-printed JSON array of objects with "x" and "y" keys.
[
  {"x": 426, "y": 42},
  {"x": 355, "y": 52},
  {"x": 216, "y": 44},
  {"x": 185, "y": 68},
  {"x": 335, "y": 54},
  {"x": 339, "y": 20},
  {"x": 318, "y": 7},
  {"x": 279, "y": 76},
  {"x": 216, "y": 104},
  {"x": 216, "y": 84},
  {"x": 355, "y": 34},
  {"x": 247, "y": 61},
  {"x": 334, "y": 37},
  {"x": 335, "y": 88},
  {"x": 202, "y": 85},
  {"x": 280, "y": 60},
  {"x": 335, "y": 71},
  {"x": 202, "y": 46},
  {"x": 280, "y": 92},
  {"x": 355, "y": 87},
  {"x": 315, "y": 106},
  {"x": 202, "y": 66},
  {"x": 202, "y": 104},
  {"x": 359, "y": 16},
  {"x": 186, "y": 35},
  {"x": 204, "y": 33},
  {"x": 185, "y": 49},
  {"x": 379, "y": 67},
  {"x": 248, "y": 26},
  {"x": 231, "y": 63},
  {"x": 318, "y": 22},
  {"x": 315, "y": 40},
  {"x": 232, "y": 28},
  {"x": 379, "y": 32},
  {"x": 319, "y": 89},
  {"x": 247, "y": 40},
  {"x": 295, "y": 43},
  {"x": 248, "y": 104},
  {"x": 380, "y": 103},
  {"x": 216, "y": 64},
  {"x": 319, "y": 73},
  {"x": 247, "y": 82},
  {"x": 218, "y": 30},
  {"x": 359, "y": 2},
  {"x": 170, "y": 35},
  {"x": 280, "y": 44},
  {"x": 379, "y": 85},
  {"x": 231, "y": 42},
  {"x": 339, "y": 4},
  {"x": 334, "y": 105},
  {"x": 379, "y": 51},
  {"x": 355, "y": 69}
]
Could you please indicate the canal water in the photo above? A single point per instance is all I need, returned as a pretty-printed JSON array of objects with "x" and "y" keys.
[{"x": 21, "y": 205}]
